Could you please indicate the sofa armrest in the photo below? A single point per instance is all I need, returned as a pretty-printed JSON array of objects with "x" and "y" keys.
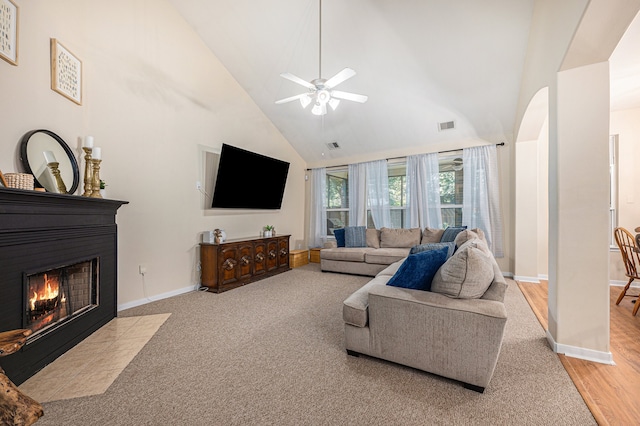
[
  {"x": 455, "y": 338},
  {"x": 490, "y": 308}
]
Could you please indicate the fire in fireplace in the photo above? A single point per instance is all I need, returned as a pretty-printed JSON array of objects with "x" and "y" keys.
[{"x": 58, "y": 295}]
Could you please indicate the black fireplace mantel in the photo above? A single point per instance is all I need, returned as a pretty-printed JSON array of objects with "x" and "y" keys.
[{"x": 44, "y": 230}]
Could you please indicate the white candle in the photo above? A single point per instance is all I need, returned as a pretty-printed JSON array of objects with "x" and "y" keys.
[
  {"x": 96, "y": 154},
  {"x": 88, "y": 142},
  {"x": 49, "y": 157}
]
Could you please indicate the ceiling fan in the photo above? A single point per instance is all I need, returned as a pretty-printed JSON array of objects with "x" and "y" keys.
[{"x": 321, "y": 91}]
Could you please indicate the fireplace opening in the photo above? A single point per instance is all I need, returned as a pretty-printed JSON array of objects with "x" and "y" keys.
[{"x": 57, "y": 295}]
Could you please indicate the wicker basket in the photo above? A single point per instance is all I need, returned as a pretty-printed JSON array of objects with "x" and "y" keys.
[{"x": 19, "y": 180}]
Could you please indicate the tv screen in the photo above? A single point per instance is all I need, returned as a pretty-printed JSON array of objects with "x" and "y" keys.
[{"x": 247, "y": 180}]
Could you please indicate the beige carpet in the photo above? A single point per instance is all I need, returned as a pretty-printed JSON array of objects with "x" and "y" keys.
[{"x": 271, "y": 353}]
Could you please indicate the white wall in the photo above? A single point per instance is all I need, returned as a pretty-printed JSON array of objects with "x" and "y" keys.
[
  {"x": 626, "y": 124},
  {"x": 153, "y": 95}
]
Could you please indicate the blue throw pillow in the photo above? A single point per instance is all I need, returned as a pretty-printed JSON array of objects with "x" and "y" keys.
[
  {"x": 434, "y": 246},
  {"x": 339, "y": 234},
  {"x": 450, "y": 233},
  {"x": 418, "y": 270},
  {"x": 355, "y": 236}
]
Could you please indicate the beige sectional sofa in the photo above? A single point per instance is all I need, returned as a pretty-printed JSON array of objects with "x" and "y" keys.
[
  {"x": 454, "y": 331},
  {"x": 384, "y": 247}
]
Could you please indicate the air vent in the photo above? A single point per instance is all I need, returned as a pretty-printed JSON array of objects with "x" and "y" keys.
[
  {"x": 333, "y": 145},
  {"x": 447, "y": 125}
]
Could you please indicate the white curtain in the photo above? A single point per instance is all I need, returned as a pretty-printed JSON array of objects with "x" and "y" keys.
[
  {"x": 423, "y": 192},
  {"x": 481, "y": 197},
  {"x": 378, "y": 193},
  {"x": 318, "y": 216},
  {"x": 357, "y": 195}
]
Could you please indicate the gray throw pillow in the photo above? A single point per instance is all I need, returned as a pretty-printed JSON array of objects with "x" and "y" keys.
[
  {"x": 434, "y": 246},
  {"x": 355, "y": 236},
  {"x": 451, "y": 233}
]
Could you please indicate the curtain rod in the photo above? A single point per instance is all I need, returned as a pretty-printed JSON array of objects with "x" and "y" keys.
[{"x": 396, "y": 158}]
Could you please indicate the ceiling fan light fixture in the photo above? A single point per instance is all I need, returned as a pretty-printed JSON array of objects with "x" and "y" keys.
[
  {"x": 333, "y": 103},
  {"x": 319, "y": 109},
  {"x": 305, "y": 101}
]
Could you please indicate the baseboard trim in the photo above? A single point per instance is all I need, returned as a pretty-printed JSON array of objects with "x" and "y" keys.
[
  {"x": 524, "y": 279},
  {"x": 140, "y": 302},
  {"x": 580, "y": 353},
  {"x": 508, "y": 275},
  {"x": 618, "y": 283}
]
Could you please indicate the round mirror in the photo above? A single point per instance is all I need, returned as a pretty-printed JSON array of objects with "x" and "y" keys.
[{"x": 40, "y": 150}]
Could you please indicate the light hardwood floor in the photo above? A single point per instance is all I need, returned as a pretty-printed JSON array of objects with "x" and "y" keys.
[{"x": 612, "y": 392}]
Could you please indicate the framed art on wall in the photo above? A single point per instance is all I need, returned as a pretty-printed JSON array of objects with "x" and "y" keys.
[
  {"x": 9, "y": 31},
  {"x": 66, "y": 72}
]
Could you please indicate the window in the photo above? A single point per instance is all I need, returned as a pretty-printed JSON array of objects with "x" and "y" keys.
[
  {"x": 397, "y": 195},
  {"x": 337, "y": 199},
  {"x": 451, "y": 182}
]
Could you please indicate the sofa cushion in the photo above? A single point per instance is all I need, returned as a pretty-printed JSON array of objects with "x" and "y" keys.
[
  {"x": 449, "y": 234},
  {"x": 373, "y": 238},
  {"x": 434, "y": 246},
  {"x": 345, "y": 254},
  {"x": 417, "y": 271},
  {"x": 469, "y": 234},
  {"x": 395, "y": 237},
  {"x": 354, "y": 308},
  {"x": 467, "y": 274},
  {"x": 431, "y": 235},
  {"x": 339, "y": 234},
  {"x": 355, "y": 236},
  {"x": 390, "y": 270},
  {"x": 386, "y": 256}
]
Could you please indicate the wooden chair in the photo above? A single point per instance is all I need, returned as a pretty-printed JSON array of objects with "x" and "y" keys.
[{"x": 631, "y": 258}]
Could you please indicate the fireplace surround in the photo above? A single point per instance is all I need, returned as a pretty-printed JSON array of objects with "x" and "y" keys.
[{"x": 64, "y": 249}]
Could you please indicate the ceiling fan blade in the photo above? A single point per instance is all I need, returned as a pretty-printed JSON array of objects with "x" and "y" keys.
[
  {"x": 292, "y": 98},
  {"x": 298, "y": 80},
  {"x": 349, "y": 96},
  {"x": 343, "y": 75}
]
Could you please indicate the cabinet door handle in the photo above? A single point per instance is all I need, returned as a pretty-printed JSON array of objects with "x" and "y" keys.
[
  {"x": 283, "y": 252},
  {"x": 245, "y": 260},
  {"x": 260, "y": 257},
  {"x": 272, "y": 254},
  {"x": 229, "y": 264}
]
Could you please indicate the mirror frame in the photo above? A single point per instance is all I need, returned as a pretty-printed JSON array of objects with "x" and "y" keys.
[{"x": 25, "y": 160}]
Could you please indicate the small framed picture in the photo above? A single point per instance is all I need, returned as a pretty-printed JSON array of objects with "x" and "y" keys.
[
  {"x": 3, "y": 182},
  {"x": 9, "y": 31},
  {"x": 66, "y": 72}
]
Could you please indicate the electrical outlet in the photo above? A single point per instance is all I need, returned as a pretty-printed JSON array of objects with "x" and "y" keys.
[
  {"x": 142, "y": 269},
  {"x": 198, "y": 185}
]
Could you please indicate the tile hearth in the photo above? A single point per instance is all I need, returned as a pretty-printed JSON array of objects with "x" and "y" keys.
[{"x": 91, "y": 366}]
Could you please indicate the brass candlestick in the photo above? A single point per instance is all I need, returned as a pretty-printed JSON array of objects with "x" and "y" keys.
[
  {"x": 53, "y": 166},
  {"x": 96, "y": 178},
  {"x": 87, "y": 172}
]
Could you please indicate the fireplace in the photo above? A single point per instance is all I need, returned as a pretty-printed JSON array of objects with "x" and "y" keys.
[
  {"x": 57, "y": 295},
  {"x": 58, "y": 263}
]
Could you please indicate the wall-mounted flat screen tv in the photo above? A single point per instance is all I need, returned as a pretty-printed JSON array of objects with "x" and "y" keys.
[{"x": 246, "y": 180}]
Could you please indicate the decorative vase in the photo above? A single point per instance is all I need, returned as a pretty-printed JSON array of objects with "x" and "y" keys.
[{"x": 267, "y": 234}]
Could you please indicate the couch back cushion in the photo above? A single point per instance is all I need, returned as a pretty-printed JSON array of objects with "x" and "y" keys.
[
  {"x": 395, "y": 237},
  {"x": 373, "y": 238},
  {"x": 467, "y": 274},
  {"x": 431, "y": 235}
]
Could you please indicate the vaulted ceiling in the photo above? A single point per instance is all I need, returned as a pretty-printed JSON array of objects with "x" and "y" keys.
[{"x": 420, "y": 62}]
